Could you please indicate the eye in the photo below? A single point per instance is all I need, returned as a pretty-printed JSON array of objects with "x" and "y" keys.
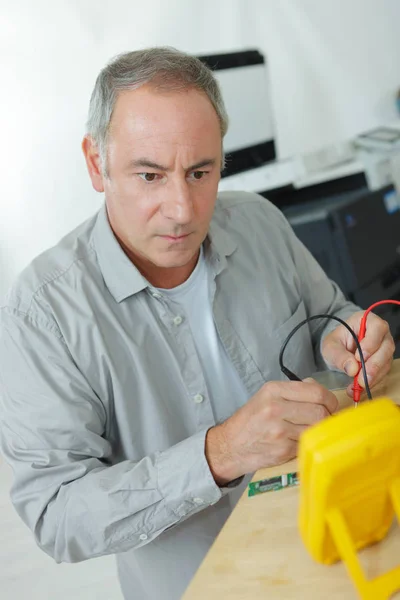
[
  {"x": 198, "y": 175},
  {"x": 148, "y": 177}
]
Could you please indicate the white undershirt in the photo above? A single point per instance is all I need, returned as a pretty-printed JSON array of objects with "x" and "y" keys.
[{"x": 225, "y": 388}]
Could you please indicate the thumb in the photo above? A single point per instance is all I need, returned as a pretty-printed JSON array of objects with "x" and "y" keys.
[{"x": 337, "y": 356}]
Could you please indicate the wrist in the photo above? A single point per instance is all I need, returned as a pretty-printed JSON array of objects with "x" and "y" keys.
[{"x": 220, "y": 456}]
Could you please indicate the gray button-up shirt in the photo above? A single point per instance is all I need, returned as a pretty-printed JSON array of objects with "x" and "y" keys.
[{"x": 100, "y": 386}]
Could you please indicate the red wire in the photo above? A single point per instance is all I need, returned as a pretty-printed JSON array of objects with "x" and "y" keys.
[{"x": 357, "y": 389}]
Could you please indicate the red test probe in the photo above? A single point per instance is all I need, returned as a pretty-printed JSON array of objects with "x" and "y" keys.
[{"x": 357, "y": 389}]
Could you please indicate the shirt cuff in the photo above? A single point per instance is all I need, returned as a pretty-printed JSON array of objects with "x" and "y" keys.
[
  {"x": 231, "y": 485},
  {"x": 184, "y": 477}
]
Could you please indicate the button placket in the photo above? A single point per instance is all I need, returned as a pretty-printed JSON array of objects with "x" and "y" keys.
[{"x": 191, "y": 369}]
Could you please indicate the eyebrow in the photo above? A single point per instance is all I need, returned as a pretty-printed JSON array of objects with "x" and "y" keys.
[{"x": 145, "y": 162}]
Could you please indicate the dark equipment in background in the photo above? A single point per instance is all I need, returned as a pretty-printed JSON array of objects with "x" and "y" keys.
[
  {"x": 244, "y": 84},
  {"x": 355, "y": 237}
]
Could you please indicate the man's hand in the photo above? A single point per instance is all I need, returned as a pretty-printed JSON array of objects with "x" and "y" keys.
[
  {"x": 340, "y": 352},
  {"x": 266, "y": 430}
]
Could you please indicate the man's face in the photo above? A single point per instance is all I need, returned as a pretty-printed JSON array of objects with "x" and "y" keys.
[{"x": 164, "y": 161}]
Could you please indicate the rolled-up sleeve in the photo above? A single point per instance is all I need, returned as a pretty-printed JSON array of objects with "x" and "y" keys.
[{"x": 53, "y": 436}]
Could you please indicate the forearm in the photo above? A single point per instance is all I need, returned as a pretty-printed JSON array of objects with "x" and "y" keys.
[
  {"x": 107, "y": 510},
  {"x": 53, "y": 437}
]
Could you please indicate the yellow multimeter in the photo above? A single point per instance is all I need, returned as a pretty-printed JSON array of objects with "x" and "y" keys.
[{"x": 349, "y": 468}]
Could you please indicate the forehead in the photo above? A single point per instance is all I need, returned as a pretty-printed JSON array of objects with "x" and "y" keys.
[{"x": 148, "y": 115}]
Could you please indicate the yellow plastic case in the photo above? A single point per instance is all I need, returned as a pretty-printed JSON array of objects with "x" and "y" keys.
[{"x": 349, "y": 467}]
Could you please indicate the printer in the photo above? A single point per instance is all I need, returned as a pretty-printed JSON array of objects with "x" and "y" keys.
[{"x": 355, "y": 237}]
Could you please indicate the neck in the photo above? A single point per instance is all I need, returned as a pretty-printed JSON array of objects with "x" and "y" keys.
[
  {"x": 162, "y": 277},
  {"x": 168, "y": 278}
]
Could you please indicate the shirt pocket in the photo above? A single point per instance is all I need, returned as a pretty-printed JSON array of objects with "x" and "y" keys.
[{"x": 299, "y": 354}]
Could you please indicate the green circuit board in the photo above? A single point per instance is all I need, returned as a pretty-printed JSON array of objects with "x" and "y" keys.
[{"x": 273, "y": 484}]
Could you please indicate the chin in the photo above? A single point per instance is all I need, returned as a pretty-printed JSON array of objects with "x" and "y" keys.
[{"x": 170, "y": 260}]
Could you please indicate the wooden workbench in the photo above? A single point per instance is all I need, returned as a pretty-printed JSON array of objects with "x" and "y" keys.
[{"x": 259, "y": 553}]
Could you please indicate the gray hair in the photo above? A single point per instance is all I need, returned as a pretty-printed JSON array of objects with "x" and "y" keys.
[{"x": 167, "y": 68}]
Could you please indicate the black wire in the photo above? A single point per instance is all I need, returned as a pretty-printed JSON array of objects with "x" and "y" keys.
[{"x": 294, "y": 377}]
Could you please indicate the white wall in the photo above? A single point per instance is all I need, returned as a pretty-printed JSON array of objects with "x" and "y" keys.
[{"x": 334, "y": 69}]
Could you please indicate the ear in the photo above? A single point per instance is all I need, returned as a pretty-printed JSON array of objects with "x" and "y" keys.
[{"x": 93, "y": 163}]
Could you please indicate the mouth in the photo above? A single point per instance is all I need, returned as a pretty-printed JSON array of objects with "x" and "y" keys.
[{"x": 175, "y": 238}]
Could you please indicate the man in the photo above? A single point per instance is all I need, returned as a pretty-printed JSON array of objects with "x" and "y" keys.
[{"x": 139, "y": 357}]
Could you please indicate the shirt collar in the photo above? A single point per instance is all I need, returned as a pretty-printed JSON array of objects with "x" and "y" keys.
[
  {"x": 121, "y": 276},
  {"x": 218, "y": 244}
]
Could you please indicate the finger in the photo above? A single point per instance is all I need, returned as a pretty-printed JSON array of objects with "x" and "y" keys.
[
  {"x": 303, "y": 391},
  {"x": 339, "y": 357},
  {"x": 377, "y": 330},
  {"x": 378, "y": 365},
  {"x": 281, "y": 431},
  {"x": 382, "y": 374},
  {"x": 303, "y": 414},
  {"x": 296, "y": 431},
  {"x": 343, "y": 335}
]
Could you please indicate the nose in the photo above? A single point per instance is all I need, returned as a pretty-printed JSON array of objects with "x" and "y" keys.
[{"x": 178, "y": 205}]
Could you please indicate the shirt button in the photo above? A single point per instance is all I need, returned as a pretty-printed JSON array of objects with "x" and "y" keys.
[
  {"x": 198, "y": 500},
  {"x": 156, "y": 295},
  {"x": 178, "y": 320},
  {"x": 143, "y": 537},
  {"x": 198, "y": 398}
]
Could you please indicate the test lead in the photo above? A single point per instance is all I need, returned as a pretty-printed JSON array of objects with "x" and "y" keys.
[
  {"x": 293, "y": 377},
  {"x": 357, "y": 389}
]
